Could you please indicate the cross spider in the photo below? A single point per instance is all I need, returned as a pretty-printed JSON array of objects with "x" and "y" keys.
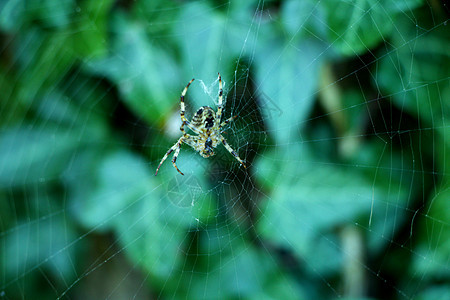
[{"x": 206, "y": 124}]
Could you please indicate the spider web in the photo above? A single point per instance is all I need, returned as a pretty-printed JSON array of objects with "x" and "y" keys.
[{"x": 341, "y": 117}]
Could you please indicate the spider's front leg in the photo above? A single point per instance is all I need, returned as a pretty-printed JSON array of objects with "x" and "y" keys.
[
  {"x": 185, "y": 121},
  {"x": 177, "y": 148},
  {"x": 182, "y": 106},
  {"x": 220, "y": 108}
]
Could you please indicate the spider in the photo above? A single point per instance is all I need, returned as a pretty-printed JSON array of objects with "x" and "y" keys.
[{"x": 206, "y": 124}]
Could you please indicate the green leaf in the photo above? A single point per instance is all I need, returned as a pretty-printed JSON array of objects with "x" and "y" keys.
[
  {"x": 121, "y": 172},
  {"x": 143, "y": 71},
  {"x": 159, "y": 16},
  {"x": 52, "y": 13},
  {"x": 15, "y": 14},
  {"x": 32, "y": 154},
  {"x": 43, "y": 59},
  {"x": 92, "y": 17},
  {"x": 12, "y": 14},
  {"x": 233, "y": 268},
  {"x": 415, "y": 72},
  {"x": 207, "y": 51},
  {"x": 307, "y": 203},
  {"x": 287, "y": 77},
  {"x": 127, "y": 198},
  {"x": 39, "y": 245},
  {"x": 434, "y": 292},
  {"x": 303, "y": 18},
  {"x": 432, "y": 251},
  {"x": 152, "y": 235},
  {"x": 356, "y": 26}
]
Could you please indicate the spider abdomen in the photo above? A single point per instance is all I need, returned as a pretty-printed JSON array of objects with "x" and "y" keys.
[{"x": 204, "y": 118}]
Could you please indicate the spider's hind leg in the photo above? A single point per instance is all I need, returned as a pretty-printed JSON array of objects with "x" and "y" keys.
[
  {"x": 175, "y": 147},
  {"x": 228, "y": 147},
  {"x": 188, "y": 140},
  {"x": 174, "y": 159}
]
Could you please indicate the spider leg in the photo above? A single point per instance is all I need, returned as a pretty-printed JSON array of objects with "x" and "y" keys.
[
  {"x": 227, "y": 121},
  {"x": 183, "y": 108},
  {"x": 191, "y": 141},
  {"x": 185, "y": 121},
  {"x": 224, "y": 142},
  {"x": 195, "y": 130},
  {"x": 220, "y": 108},
  {"x": 174, "y": 159},
  {"x": 174, "y": 147}
]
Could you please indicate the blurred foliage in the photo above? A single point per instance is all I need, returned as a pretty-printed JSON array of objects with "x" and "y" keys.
[{"x": 342, "y": 117}]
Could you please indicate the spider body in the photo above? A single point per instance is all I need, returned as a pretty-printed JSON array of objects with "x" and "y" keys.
[
  {"x": 207, "y": 125},
  {"x": 208, "y": 138}
]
